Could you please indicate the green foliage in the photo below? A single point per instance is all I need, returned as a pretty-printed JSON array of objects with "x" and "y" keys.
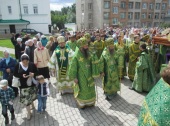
[
  {"x": 165, "y": 25},
  {"x": 69, "y": 29},
  {"x": 6, "y": 43},
  {"x": 66, "y": 15},
  {"x": 58, "y": 18}
]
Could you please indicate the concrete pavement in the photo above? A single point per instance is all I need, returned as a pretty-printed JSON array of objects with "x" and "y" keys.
[
  {"x": 123, "y": 110},
  {"x": 11, "y": 51}
]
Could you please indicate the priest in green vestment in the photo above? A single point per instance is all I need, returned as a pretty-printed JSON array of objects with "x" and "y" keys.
[
  {"x": 145, "y": 77},
  {"x": 59, "y": 64},
  {"x": 109, "y": 69},
  {"x": 134, "y": 53},
  {"x": 155, "y": 110},
  {"x": 99, "y": 45},
  {"x": 81, "y": 71},
  {"x": 72, "y": 43},
  {"x": 121, "y": 51}
]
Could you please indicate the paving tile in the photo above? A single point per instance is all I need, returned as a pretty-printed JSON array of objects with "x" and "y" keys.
[{"x": 123, "y": 110}]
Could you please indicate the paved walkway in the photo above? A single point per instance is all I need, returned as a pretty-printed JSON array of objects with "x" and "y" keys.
[
  {"x": 11, "y": 51},
  {"x": 123, "y": 110}
]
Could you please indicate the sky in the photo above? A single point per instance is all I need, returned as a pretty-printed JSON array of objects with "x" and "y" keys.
[{"x": 58, "y": 4}]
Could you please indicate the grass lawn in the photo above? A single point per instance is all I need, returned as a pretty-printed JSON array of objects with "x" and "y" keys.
[
  {"x": 1, "y": 54},
  {"x": 6, "y": 43}
]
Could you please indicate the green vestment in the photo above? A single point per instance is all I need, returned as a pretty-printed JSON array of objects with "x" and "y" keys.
[
  {"x": 60, "y": 61},
  {"x": 155, "y": 110},
  {"x": 109, "y": 65},
  {"x": 82, "y": 69},
  {"x": 134, "y": 53},
  {"x": 145, "y": 77},
  {"x": 121, "y": 52},
  {"x": 72, "y": 45}
]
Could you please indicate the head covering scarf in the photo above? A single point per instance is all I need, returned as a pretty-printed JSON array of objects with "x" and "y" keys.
[{"x": 39, "y": 45}]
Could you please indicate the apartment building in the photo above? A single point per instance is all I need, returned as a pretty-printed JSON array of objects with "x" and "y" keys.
[
  {"x": 18, "y": 14},
  {"x": 137, "y": 13}
]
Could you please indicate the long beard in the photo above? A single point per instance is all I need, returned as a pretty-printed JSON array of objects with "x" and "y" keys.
[
  {"x": 111, "y": 51},
  {"x": 85, "y": 53}
]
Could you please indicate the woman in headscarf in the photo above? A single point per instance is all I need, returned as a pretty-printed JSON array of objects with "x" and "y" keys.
[
  {"x": 41, "y": 59},
  {"x": 24, "y": 70}
]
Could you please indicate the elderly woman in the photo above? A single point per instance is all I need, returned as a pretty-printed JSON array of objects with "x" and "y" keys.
[
  {"x": 24, "y": 70},
  {"x": 20, "y": 48},
  {"x": 41, "y": 59},
  {"x": 7, "y": 66},
  {"x": 49, "y": 45},
  {"x": 155, "y": 109},
  {"x": 30, "y": 50},
  {"x": 35, "y": 42}
]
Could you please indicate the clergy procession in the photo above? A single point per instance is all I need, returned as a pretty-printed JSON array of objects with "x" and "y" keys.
[{"x": 77, "y": 60}]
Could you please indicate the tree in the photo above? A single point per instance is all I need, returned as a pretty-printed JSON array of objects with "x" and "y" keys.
[
  {"x": 66, "y": 15},
  {"x": 165, "y": 25}
]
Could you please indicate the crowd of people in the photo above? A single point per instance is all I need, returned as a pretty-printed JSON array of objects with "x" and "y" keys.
[{"x": 76, "y": 60}]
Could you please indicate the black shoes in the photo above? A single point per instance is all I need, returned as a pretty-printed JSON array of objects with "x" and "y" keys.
[
  {"x": 12, "y": 116},
  {"x": 6, "y": 120}
]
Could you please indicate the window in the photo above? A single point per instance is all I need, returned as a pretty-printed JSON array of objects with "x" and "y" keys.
[
  {"x": 144, "y": 6},
  {"x": 163, "y": 6},
  {"x": 106, "y": 4},
  {"x": 115, "y": 21},
  {"x": 90, "y": 25},
  {"x": 151, "y": 6},
  {"x": 169, "y": 12},
  {"x": 150, "y": 15},
  {"x": 115, "y": 10},
  {"x": 136, "y": 24},
  {"x": 137, "y": 15},
  {"x": 162, "y": 15},
  {"x": 130, "y": 15},
  {"x": 35, "y": 9},
  {"x": 143, "y": 24},
  {"x": 149, "y": 24},
  {"x": 82, "y": 7},
  {"x": 106, "y": 15},
  {"x": 90, "y": 6},
  {"x": 115, "y": 1},
  {"x": 137, "y": 5},
  {"x": 129, "y": 23},
  {"x": 25, "y": 8},
  {"x": 123, "y": 5},
  {"x": 90, "y": 16},
  {"x": 32, "y": 30},
  {"x": 9, "y": 10},
  {"x": 157, "y": 6},
  {"x": 123, "y": 15},
  {"x": 143, "y": 15},
  {"x": 130, "y": 5},
  {"x": 156, "y": 15},
  {"x": 156, "y": 24}
]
